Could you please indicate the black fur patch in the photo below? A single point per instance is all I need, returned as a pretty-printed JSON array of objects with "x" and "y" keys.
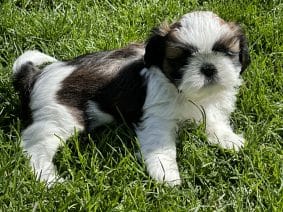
[
  {"x": 155, "y": 51},
  {"x": 23, "y": 82},
  {"x": 244, "y": 55},
  {"x": 121, "y": 92},
  {"x": 125, "y": 95}
]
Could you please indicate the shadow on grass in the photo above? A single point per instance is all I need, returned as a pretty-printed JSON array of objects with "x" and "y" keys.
[{"x": 103, "y": 147}]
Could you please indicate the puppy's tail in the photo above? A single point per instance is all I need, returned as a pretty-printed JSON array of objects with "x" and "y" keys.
[{"x": 25, "y": 70}]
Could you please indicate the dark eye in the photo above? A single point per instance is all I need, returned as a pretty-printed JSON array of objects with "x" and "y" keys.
[
  {"x": 224, "y": 50},
  {"x": 231, "y": 53}
]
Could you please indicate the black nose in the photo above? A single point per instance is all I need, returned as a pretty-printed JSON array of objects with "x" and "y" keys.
[{"x": 208, "y": 69}]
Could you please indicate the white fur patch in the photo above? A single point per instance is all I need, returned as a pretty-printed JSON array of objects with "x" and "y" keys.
[
  {"x": 156, "y": 133},
  {"x": 96, "y": 116},
  {"x": 34, "y": 56},
  {"x": 202, "y": 29}
]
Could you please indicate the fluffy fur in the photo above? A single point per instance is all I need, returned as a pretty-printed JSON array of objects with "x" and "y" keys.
[{"x": 193, "y": 63}]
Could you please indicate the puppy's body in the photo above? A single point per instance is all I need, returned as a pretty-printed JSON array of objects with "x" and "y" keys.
[
  {"x": 112, "y": 81},
  {"x": 193, "y": 63}
]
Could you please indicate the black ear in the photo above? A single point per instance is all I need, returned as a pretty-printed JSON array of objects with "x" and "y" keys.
[
  {"x": 244, "y": 55},
  {"x": 155, "y": 47}
]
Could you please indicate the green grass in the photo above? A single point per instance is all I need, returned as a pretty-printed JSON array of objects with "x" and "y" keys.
[{"x": 102, "y": 172}]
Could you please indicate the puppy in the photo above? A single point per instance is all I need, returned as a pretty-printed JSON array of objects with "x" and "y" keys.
[{"x": 194, "y": 63}]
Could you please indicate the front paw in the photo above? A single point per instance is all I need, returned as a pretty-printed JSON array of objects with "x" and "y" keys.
[
  {"x": 47, "y": 174},
  {"x": 228, "y": 140},
  {"x": 163, "y": 169}
]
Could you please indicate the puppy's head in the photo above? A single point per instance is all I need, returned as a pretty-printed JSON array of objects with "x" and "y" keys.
[{"x": 199, "y": 53}]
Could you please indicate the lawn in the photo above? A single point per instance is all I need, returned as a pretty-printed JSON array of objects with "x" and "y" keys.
[{"x": 101, "y": 170}]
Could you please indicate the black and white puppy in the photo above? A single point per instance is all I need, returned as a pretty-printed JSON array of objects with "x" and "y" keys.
[{"x": 193, "y": 63}]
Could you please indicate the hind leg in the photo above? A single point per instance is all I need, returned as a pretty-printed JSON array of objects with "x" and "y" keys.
[{"x": 41, "y": 140}]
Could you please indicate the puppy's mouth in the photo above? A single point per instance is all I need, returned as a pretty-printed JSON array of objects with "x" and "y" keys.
[
  {"x": 211, "y": 81},
  {"x": 209, "y": 85}
]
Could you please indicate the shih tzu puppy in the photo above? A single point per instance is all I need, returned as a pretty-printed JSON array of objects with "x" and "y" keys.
[{"x": 191, "y": 64}]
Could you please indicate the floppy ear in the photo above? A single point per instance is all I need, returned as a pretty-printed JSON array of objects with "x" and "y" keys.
[
  {"x": 244, "y": 55},
  {"x": 155, "y": 47}
]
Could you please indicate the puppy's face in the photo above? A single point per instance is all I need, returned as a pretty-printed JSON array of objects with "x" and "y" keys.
[{"x": 201, "y": 53}]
